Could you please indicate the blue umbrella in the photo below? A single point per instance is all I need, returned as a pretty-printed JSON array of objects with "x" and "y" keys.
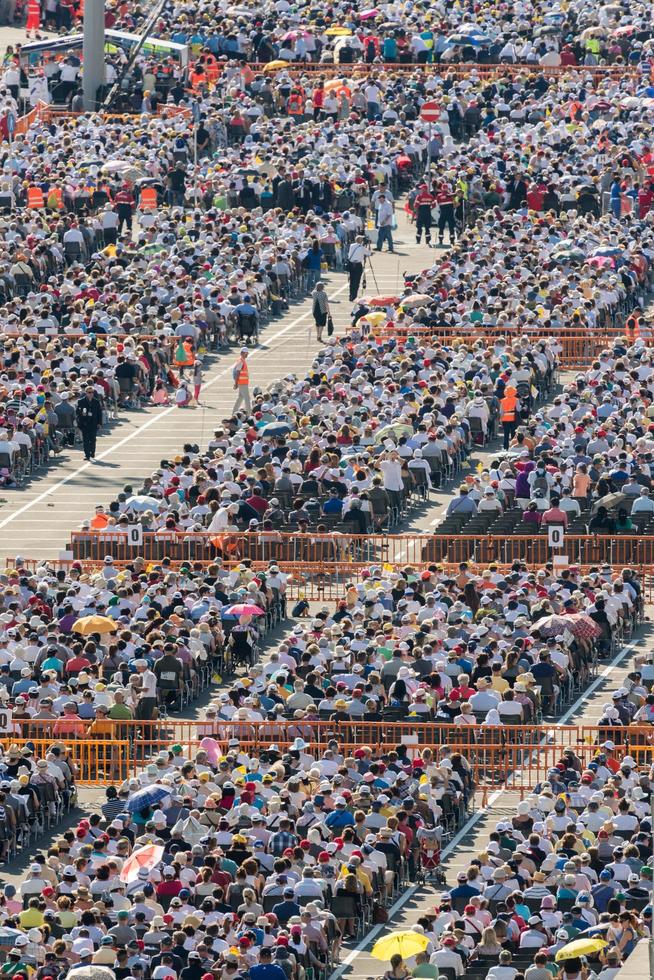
[
  {"x": 474, "y": 40},
  {"x": 147, "y": 796},
  {"x": 275, "y": 429}
]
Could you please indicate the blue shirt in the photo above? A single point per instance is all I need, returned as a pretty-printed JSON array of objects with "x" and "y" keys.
[
  {"x": 339, "y": 818},
  {"x": 267, "y": 971}
]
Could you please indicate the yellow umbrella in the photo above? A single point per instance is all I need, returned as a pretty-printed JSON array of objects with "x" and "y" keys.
[
  {"x": 338, "y": 32},
  {"x": 375, "y": 318},
  {"x": 581, "y": 947},
  {"x": 275, "y": 65},
  {"x": 406, "y": 943},
  {"x": 94, "y": 624}
]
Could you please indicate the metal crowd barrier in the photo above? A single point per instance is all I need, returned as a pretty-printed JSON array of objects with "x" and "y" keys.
[
  {"x": 578, "y": 349},
  {"x": 517, "y": 755},
  {"x": 316, "y": 551}
]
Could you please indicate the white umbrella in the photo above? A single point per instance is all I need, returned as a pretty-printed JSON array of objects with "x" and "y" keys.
[
  {"x": 141, "y": 503},
  {"x": 191, "y": 830},
  {"x": 122, "y": 168}
]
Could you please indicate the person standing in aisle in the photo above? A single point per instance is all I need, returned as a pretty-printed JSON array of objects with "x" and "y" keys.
[
  {"x": 124, "y": 201},
  {"x": 445, "y": 200},
  {"x": 197, "y": 378},
  {"x": 356, "y": 258},
  {"x": 89, "y": 420},
  {"x": 384, "y": 223},
  {"x": 423, "y": 203},
  {"x": 509, "y": 414},
  {"x": 241, "y": 377}
]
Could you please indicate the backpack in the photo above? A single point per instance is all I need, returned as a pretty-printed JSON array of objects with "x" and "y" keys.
[{"x": 540, "y": 483}]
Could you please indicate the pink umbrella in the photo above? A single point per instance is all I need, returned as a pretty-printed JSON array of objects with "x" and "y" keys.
[
  {"x": 143, "y": 857},
  {"x": 599, "y": 261},
  {"x": 244, "y": 609},
  {"x": 367, "y": 14},
  {"x": 212, "y": 748}
]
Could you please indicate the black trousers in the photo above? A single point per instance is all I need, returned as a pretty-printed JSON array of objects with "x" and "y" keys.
[
  {"x": 356, "y": 272},
  {"x": 89, "y": 436},
  {"x": 423, "y": 223},
  {"x": 446, "y": 217},
  {"x": 125, "y": 217},
  {"x": 508, "y": 429}
]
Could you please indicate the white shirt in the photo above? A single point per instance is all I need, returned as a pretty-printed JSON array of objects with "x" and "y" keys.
[
  {"x": 384, "y": 214},
  {"x": 149, "y": 682}
]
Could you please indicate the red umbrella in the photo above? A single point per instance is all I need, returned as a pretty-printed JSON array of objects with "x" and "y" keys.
[
  {"x": 143, "y": 857},
  {"x": 581, "y": 625},
  {"x": 384, "y": 301}
]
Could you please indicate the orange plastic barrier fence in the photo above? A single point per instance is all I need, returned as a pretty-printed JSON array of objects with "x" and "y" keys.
[
  {"x": 578, "y": 349},
  {"x": 94, "y": 761},
  {"x": 515, "y": 756},
  {"x": 305, "y": 580},
  {"x": 325, "y": 550}
]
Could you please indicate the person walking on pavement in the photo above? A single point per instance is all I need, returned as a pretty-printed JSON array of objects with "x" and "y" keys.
[
  {"x": 197, "y": 378},
  {"x": 356, "y": 258},
  {"x": 320, "y": 309},
  {"x": 241, "y": 378},
  {"x": 423, "y": 203},
  {"x": 384, "y": 223},
  {"x": 509, "y": 414},
  {"x": 89, "y": 420}
]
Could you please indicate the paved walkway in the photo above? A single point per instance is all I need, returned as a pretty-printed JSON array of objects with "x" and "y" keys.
[{"x": 36, "y": 521}]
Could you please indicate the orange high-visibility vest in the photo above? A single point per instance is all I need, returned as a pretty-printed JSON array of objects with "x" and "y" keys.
[
  {"x": 632, "y": 328},
  {"x": 243, "y": 375},
  {"x": 295, "y": 105},
  {"x": 509, "y": 404}
]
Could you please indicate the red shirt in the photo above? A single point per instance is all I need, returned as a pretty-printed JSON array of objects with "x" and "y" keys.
[
  {"x": 75, "y": 664},
  {"x": 169, "y": 887},
  {"x": 424, "y": 198}
]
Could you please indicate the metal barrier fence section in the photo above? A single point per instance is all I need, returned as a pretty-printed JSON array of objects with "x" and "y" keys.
[
  {"x": 578, "y": 350},
  {"x": 515, "y": 756},
  {"x": 305, "y": 580},
  {"x": 315, "y": 552}
]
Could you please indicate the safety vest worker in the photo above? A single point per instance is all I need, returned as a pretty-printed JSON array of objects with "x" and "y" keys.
[
  {"x": 632, "y": 327},
  {"x": 240, "y": 373},
  {"x": 509, "y": 405},
  {"x": 295, "y": 104}
]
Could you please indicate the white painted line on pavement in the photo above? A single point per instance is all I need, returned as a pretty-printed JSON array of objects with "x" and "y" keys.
[{"x": 151, "y": 421}]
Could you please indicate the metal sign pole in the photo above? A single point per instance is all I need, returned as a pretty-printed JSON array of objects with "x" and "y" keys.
[{"x": 93, "y": 76}]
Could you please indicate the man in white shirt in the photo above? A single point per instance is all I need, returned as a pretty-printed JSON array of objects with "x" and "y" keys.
[
  {"x": 148, "y": 690},
  {"x": 372, "y": 93},
  {"x": 643, "y": 504},
  {"x": 357, "y": 254},
  {"x": 391, "y": 469},
  {"x": 448, "y": 957},
  {"x": 384, "y": 223}
]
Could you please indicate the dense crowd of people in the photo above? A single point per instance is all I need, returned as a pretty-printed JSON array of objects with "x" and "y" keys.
[{"x": 132, "y": 246}]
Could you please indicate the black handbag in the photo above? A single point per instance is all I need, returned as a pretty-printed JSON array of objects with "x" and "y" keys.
[{"x": 330, "y": 326}]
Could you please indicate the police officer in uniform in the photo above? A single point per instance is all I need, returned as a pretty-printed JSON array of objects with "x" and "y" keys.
[{"x": 89, "y": 420}]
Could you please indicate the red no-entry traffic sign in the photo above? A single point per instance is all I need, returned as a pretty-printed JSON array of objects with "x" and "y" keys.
[{"x": 430, "y": 112}]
